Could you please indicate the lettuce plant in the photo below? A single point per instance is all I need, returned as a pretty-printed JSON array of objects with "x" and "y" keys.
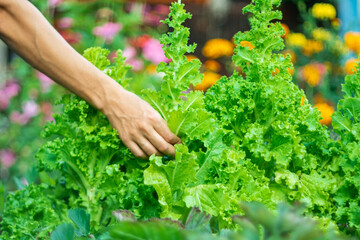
[{"x": 251, "y": 137}]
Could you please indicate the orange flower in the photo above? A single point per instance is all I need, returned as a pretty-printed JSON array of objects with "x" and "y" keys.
[
  {"x": 291, "y": 70},
  {"x": 247, "y": 44},
  {"x": 191, "y": 57},
  {"x": 352, "y": 41},
  {"x": 326, "y": 112},
  {"x": 218, "y": 47},
  {"x": 209, "y": 79},
  {"x": 351, "y": 65},
  {"x": 286, "y": 29},
  {"x": 302, "y": 101},
  {"x": 319, "y": 98},
  {"x": 212, "y": 65},
  {"x": 313, "y": 73},
  {"x": 292, "y": 54},
  {"x": 311, "y": 47}
]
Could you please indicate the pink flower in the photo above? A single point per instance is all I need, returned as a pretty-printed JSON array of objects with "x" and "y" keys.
[
  {"x": 65, "y": 22},
  {"x": 129, "y": 52},
  {"x": 7, "y": 158},
  {"x": 107, "y": 31},
  {"x": 4, "y": 100},
  {"x": 46, "y": 109},
  {"x": 46, "y": 82},
  {"x": 54, "y": 3},
  {"x": 10, "y": 90},
  {"x": 136, "y": 64},
  {"x": 18, "y": 118},
  {"x": 153, "y": 52},
  {"x": 30, "y": 109}
]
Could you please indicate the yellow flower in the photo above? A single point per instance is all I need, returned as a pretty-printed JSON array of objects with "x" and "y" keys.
[
  {"x": 321, "y": 34},
  {"x": 151, "y": 69},
  {"x": 218, "y": 47},
  {"x": 312, "y": 74},
  {"x": 212, "y": 65},
  {"x": 311, "y": 47},
  {"x": 324, "y": 11},
  {"x": 296, "y": 40},
  {"x": 326, "y": 112},
  {"x": 351, "y": 65},
  {"x": 209, "y": 79}
]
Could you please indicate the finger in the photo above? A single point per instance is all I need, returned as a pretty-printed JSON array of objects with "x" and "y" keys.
[
  {"x": 136, "y": 150},
  {"x": 147, "y": 147},
  {"x": 159, "y": 143},
  {"x": 165, "y": 132}
]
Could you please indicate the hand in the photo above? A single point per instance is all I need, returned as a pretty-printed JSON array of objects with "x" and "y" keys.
[{"x": 140, "y": 127}]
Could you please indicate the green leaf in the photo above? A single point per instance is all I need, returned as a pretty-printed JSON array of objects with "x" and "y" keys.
[
  {"x": 64, "y": 231},
  {"x": 82, "y": 221}
]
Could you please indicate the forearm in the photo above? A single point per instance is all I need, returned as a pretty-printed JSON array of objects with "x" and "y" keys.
[{"x": 24, "y": 29}]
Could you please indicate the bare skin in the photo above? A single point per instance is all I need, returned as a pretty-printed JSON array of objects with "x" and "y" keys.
[{"x": 140, "y": 127}]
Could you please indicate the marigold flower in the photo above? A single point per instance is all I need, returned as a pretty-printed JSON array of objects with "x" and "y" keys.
[
  {"x": 321, "y": 34},
  {"x": 218, "y": 47},
  {"x": 313, "y": 73},
  {"x": 319, "y": 98},
  {"x": 212, "y": 65},
  {"x": 312, "y": 47},
  {"x": 326, "y": 112},
  {"x": 191, "y": 57},
  {"x": 351, "y": 65},
  {"x": 352, "y": 41},
  {"x": 292, "y": 54},
  {"x": 302, "y": 101},
  {"x": 296, "y": 40},
  {"x": 324, "y": 11},
  {"x": 247, "y": 44},
  {"x": 210, "y": 78},
  {"x": 286, "y": 29}
]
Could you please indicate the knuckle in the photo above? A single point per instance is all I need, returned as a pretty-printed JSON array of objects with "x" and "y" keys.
[{"x": 164, "y": 148}]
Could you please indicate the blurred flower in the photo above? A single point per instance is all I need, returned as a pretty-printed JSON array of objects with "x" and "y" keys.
[
  {"x": 10, "y": 90},
  {"x": 139, "y": 42},
  {"x": 313, "y": 73},
  {"x": 191, "y": 57},
  {"x": 212, "y": 65},
  {"x": 210, "y": 78},
  {"x": 296, "y": 40},
  {"x": 351, "y": 65},
  {"x": 218, "y": 47},
  {"x": 291, "y": 53},
  {"x": 45, "y": 81},
  {"x": 104, "y": 14},
  {"x": 65, "y": 22},
  {"x": 107, "y": 31},
  {"x": 70, "y": 36},
  {"x": 7, "y": 158},
  {"x": 54, "y": 3},
  {"x": 129, "y": 52},
  {"x": 46, "y": 109},
  {"x": 247, "y": 44},
  {"x": 30, "y": 109},
  {"x": 324, "y": 11},
  {"x": 326, "y": 112},
  {"x": 321, "y": 34},
  {"x": 136, "y": 64},
  {"x": 312, "y": 47},
  {"x": 336, "y": 23},
  {"x": 302, "y": 101},
  {"x": 286, "y": 29},
  {"x": 151, "y": 69},
  {"x": 352, "y": 41},
  {"x": 153, "y": 51}
]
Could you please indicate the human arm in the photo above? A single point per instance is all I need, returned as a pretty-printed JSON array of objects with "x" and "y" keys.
[{"x": 140, "y": 127}]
